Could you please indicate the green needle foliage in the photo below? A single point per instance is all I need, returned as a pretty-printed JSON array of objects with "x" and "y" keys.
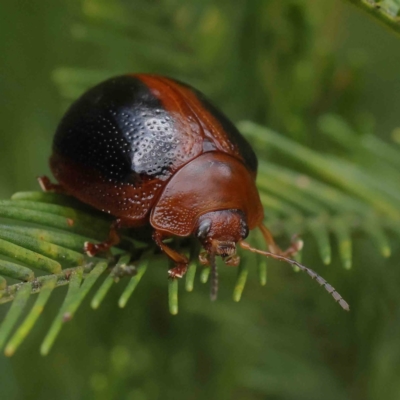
[
  {"x": 312, "y": 85},
  {"x": 320, "y": 201}
]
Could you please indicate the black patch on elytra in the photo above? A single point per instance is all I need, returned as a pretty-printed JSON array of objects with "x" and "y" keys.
[{"x": 120, "y": 129}]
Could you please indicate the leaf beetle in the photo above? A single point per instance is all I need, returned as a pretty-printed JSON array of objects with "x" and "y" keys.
[{"x": 151, "y": 150}]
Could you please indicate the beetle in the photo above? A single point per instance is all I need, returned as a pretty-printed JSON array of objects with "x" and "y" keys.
[{"x": 153, "y": 151}]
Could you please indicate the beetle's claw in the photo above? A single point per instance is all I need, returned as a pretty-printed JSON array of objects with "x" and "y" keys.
[
  {"x": 43, "y": 183},
  {"x": 47, "y": 186},
  {"x": 297, "y": 242},
  {"x": 232, "y": 261},
  {"x": 177, "y": 272},
  {"x": 203, "y": 258},
  {"x": 295, "y": 246},
  {"x": 90, "y": 249}
]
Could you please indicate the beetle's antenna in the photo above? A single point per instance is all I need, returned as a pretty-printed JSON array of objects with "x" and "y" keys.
[
  {"x": 214, "y": 277},
  {"x": 330, "y": 289}
]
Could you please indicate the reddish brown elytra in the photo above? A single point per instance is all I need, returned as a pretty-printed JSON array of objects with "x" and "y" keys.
[{"x": 150, "y": 150}]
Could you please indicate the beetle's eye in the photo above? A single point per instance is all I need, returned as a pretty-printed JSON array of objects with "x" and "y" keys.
[
  {"x": 204, "y": 228},
  {"x": 244, "y": 230}
]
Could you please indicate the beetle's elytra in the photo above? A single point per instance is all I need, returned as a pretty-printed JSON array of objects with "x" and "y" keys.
[{"x": 150, "y": 150}]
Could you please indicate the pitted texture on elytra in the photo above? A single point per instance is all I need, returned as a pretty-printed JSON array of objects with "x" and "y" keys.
[
  {"x": 120, "y": 129},
  {"x": 118, "y": 199}
]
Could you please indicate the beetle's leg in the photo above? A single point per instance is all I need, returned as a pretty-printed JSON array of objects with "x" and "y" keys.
[
  {"x": 179, "y": 259},
  {"x": 92, "y": 249},
  {"x": 275, "y": 249},
  {"x": 295, "y": 246},
  {"x": 47, "y": 186}
]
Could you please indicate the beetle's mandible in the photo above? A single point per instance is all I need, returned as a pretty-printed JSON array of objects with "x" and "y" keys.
[{"x": 150, "y": 150}]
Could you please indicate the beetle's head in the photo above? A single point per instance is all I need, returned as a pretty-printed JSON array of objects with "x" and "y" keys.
[{"x": 219, "y": 231}]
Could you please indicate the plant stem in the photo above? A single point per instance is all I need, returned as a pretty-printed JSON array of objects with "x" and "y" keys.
[
  {"x": 381, "y": 12},
  {"x": 8, "y": 294}
]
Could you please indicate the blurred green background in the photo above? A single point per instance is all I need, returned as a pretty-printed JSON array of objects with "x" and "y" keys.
[{"x": 282, "y": 64}]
